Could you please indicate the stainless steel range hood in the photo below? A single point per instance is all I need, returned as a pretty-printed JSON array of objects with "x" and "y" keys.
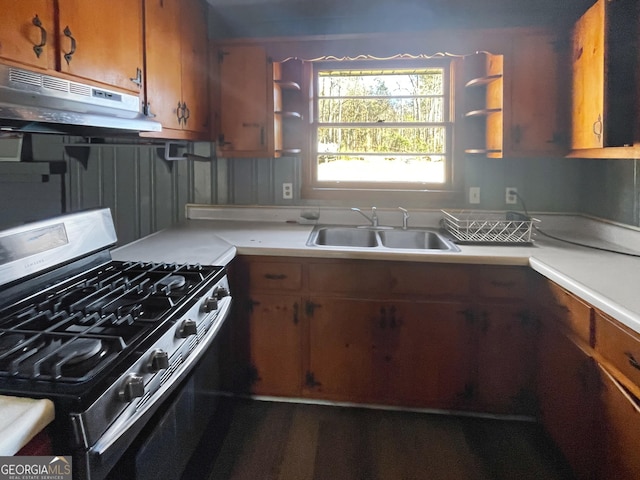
[{"x": 32, "y": 102}]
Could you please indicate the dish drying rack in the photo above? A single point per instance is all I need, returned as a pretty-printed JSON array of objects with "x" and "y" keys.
[{"x": 506, "y": 228}]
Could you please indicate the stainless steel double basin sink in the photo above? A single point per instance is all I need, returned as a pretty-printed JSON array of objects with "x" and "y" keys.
[{"x": 382, "y": 238}]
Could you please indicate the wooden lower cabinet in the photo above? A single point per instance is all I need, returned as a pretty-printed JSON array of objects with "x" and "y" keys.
[
  {"x": 383, "y": 332},
  {"x": 406, "y": 353},
  {"x": 425, "y": 355},
  {"x": 266, "y": 346},
  {"x": 341, "y": 346},
  {"x": 621, "y": 430},
  {"x": 584, "y": 404},
  {"x": 505, "y": 359},
  {"x": 568, "y": 389}
]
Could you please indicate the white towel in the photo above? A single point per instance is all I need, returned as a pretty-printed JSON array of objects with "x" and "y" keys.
[{"x": 21, "y": 419}]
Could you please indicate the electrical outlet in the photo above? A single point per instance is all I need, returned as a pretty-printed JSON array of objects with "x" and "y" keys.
[
  {"x": 474, "y": 194},
  {"x": 287, "y": 191},
  {"x": 510, "y": 195}
]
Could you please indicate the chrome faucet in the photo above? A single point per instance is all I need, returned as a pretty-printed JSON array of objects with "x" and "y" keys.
[
  {"x": 405, "y": 217},
  {"x": 374, "y": 216}
]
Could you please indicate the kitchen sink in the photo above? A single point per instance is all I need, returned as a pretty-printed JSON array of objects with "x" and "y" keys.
[
  {"x": 420, "y": 239},
  {"x": 345, "y": 237},
  {"x": 378, "y": 238}
]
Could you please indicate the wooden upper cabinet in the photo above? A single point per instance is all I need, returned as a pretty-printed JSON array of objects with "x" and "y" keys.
[
  {"x": 536, "y": 107},
  {"x": 176, "y": 67},
  {"x": 605, "y": 77},
  {"x": 163, "y": 72},
  {"x": 27, "y": 33},
  {"x": 588, "y": 79},
  {"x": 102, "y": 41},
  {"x": 513, "y": 105},
  {"x": 245, "y": 99},
  {"x": 195, "y": 80}
]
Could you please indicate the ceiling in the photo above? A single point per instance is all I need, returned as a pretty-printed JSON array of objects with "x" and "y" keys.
[{"x": 309, "y": 17}]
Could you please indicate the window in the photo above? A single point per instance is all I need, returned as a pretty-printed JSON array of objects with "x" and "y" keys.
[{"x": 382, "y": 125}]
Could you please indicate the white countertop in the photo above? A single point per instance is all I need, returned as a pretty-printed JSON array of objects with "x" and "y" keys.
[{"x": 213, "y": 235}]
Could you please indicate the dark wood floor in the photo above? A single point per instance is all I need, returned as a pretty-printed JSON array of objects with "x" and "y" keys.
[{"x": 257, "y": 440}]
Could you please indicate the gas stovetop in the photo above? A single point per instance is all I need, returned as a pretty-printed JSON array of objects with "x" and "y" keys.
[
  {"x": 72, "y": 331},
  {"x": 73, "y": 334}
]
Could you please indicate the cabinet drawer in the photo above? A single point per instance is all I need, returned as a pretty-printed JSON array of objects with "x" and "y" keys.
[
  {"x": 618, "y": 346},
  {"x": 430, "y": 279},
  {"x": 275, "y": 276},
  {"x": 571, "y": 311},
  {"x": 502, "y": 282},
  {"x": 348, "y": 278},
  {"x": 389, "y": 278}
]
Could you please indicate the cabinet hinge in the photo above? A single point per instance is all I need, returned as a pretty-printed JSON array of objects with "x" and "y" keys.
[
  {"x": 296, "y": 315},
  {"x": 310, "y": 308},
  {"x": 251, "y": 304},
  {"x": 310, "y": 380}
]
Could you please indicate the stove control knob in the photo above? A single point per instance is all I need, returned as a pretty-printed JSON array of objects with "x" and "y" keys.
[
  {"x": 159, "y": 360},
  {"x": 221, "y": 292},
  {"x": 210, "y": 304},
  {"x": 187, "y": 328},
  {"x": 132, "y": 387}
]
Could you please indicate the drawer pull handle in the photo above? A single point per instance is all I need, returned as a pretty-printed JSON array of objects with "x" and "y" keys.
[
  {"x": 275, "y": 276},
  {"x": 632, "y": 361}
]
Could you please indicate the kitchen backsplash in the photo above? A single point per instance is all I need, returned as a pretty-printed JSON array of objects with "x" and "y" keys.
[{"x": 147, "y": 194}]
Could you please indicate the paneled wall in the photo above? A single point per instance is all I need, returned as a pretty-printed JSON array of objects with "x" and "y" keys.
[
  {"x": 545, "y": 184},
  {"x": 144, "y": 192}
]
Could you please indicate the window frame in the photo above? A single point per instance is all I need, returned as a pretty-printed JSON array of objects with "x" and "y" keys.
[{"x": 314, "y": 189}]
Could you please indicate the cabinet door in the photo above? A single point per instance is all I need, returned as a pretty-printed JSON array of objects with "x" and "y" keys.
[
  {"x": 621, "y": 430},
  {"x": 244, "y": 102},
  {"x": 588, "y": 79},
  {"x": 568, "y": 390},
  {"x": 19, "y": 33},
  {"x": 341, "y": 348},
  {"x": 535, "y": 104},
  {"x": 195, "y": 84},
  {"x": 507, "y": 341},
  {"x": 163, "y": 73},
  {"x": 423, "y": 354},
  {"x": 273, "y": 339},
  {"x": 108, "y": 41}
]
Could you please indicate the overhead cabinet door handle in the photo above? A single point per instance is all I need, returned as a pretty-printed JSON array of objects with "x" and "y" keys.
[
  {"x": 43, "y": 36},
  {"x": 68, "y": 56},
  {"x": 597, "y": 127}
]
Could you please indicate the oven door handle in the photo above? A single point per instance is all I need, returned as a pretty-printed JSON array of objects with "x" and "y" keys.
[{"x": 121, "y": 428}]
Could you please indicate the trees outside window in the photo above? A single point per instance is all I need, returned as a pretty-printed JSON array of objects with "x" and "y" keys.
[{"x": 382, "y": 124}]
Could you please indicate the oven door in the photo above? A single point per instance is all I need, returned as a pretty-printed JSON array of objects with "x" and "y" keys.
[
  {"x": 190, "y": 389},
  {"x": 168, "y": 441}
]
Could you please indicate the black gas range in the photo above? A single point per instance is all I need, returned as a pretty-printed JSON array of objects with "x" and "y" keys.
[{"x": 107, "y": 341}]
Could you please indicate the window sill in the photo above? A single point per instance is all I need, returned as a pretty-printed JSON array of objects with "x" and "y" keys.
[{"x": 392, "y": 197}]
